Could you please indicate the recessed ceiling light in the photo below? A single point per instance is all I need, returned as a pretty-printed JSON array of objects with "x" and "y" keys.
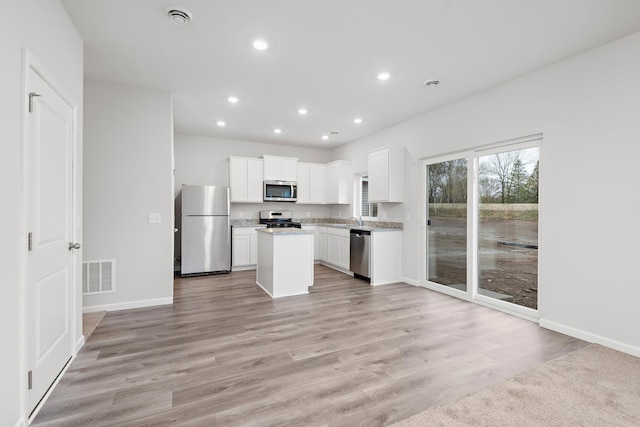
[
  {"x": 233, "y": 99},
  {"x": 179, "y": 15},
  {"x": 384, "y": 76},
  {"x": 303, "y": 111},
  {"x": 260, "y": 44},
  {"x": 325, "y": 137},
  {"x": 221, "y": 123},
  {"x": 357, "y": 120},
  {"x": 432, "y": 83},
  {"x": 277, "y": 130}
]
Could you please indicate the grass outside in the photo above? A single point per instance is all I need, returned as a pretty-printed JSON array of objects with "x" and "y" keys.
[{"x": 497, "y": 211}]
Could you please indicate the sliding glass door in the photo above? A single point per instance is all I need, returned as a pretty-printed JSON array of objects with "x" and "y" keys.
[
  {"x": 447, "y": 223},
  {"x": 481, "y": 225},
  {"x": 508, "y": 226}
]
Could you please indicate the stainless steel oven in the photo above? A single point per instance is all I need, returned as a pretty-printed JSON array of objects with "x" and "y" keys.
[
  {"x": 275, "y": 219},
  {"x": 280, "y": 191}
]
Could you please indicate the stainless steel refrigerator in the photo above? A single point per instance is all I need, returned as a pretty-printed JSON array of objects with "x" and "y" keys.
[{"x": 205, "y": 230}]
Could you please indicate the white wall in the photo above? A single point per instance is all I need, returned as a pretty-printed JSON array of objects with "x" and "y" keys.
[
  {"x": 128, "y": 162},
  {"x": 587, "y": 108},
  {"x": 42, "y": 27},
  {"x": 203, "y": 160}
]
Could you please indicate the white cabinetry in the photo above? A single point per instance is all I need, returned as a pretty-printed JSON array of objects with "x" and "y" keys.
[
  {"x": 385, "y": 257},
  {"x": 321, "y": 234},
  {"x": 245, "y": 248},
  {"x": 285, "y": 264},
  {"x": 316, "y": 241},
  {"x": 311, "y": 183},
  {"x": 338, "y": 247},
  {"x": 386, "y": 175},
  {"x": 280, "y": 168},
  {"x": 339, "y": 182},
  {"x": 245, "y": 179}
]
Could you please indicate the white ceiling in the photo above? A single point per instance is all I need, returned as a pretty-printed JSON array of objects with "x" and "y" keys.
[{"x": 325, "y": 55}]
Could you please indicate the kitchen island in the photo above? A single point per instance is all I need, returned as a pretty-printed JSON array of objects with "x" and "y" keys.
[{"x": 285, "y": 261}]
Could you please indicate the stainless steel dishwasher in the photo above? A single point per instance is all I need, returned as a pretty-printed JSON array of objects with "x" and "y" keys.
[{"x": 360, "y": 241}]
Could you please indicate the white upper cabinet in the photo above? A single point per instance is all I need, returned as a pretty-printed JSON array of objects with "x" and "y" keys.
[
  {"x": 339, "y": 182},
  {"x": 311, "y": 183},
  {"x": 386, "y": 175},
  {"x": 245, "y": 179},
  {"x": 278, "y": 168}
]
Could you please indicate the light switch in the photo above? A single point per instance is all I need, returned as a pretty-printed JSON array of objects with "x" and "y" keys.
[{"x": 155, "y": 218}]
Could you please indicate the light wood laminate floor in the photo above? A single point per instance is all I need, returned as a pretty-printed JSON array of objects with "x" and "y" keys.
[{"x": 346, "y": 354}]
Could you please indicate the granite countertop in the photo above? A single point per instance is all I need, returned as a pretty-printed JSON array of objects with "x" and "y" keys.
[
  {"x": 328, "y": 222},
  {"x": 359, "y": 227},
  {"x": 246, "y": 224},
  {"x": 282, "y": 231}
]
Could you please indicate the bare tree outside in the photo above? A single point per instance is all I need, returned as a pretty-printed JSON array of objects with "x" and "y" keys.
[{"x": 508, "y": 226}]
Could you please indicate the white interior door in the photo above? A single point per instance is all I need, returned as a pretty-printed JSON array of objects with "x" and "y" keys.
[{"x": 50, "y": 270}]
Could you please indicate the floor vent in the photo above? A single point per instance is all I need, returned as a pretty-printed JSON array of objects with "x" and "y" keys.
[{"x": 98, "y": 277}]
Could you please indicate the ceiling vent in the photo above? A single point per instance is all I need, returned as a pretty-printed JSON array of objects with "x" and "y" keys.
[{"x": 179, "y": 15}]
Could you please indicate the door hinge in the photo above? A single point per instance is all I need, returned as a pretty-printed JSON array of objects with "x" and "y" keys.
[
  {"x": 30, "y": 380},
  {"x": 31, "y": 96},
  {"x": 30, "y": 241}
]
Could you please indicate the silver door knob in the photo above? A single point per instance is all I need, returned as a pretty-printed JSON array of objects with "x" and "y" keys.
[{"x": 74, "y": 245}]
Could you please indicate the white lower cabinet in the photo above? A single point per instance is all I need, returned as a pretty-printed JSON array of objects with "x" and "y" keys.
[
  {"x": 338, "y": 247},
  {"x": 321, "y": 234},
  {"x": 244, "y": 248},
  {"x": 345, "y": 253},
  {"x": 333, "y": 249},
  {"x": 385, "y": 260}
]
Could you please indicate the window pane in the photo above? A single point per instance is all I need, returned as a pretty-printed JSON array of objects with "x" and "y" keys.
[
  {"x": 447, "y": 226},
  {"x": 366, "y": 209},
  {"x": 364, "y": 201},
  {"x": 373, "y": 208},
  {"x": 508, "y": 226}
]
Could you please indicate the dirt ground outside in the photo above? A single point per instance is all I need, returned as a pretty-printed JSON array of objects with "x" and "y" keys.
[{"x": 508, "y": 257}]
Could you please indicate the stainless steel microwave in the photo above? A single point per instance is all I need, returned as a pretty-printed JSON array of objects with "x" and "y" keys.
[{"x": 280, "y": 191}]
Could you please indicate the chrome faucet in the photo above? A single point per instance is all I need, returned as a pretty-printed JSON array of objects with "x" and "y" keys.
[{"x": 358, "y": 220}]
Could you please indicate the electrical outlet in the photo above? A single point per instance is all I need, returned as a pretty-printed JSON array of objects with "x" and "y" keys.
[
  {"x": 155, "y": 218},
  {"x": 308, "y": 214},
  {"x": 240, "y": 214}
]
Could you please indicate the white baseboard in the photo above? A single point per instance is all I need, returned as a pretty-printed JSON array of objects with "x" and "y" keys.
[
  {"x": 80, "y": 343},
  {"x": 409, "y": 281},
  {"x": 264, "y": 289},
  {"x": 335, "y": 267},
  {"x": 127, "y": 305},
  {"x": 588, "y": 336},
  {"x": 243, "y": 268}
]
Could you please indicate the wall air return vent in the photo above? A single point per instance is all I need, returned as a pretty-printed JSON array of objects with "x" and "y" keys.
[
  {"x": 179, "y": 15},
  {"x": 98, "y": 277}
]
